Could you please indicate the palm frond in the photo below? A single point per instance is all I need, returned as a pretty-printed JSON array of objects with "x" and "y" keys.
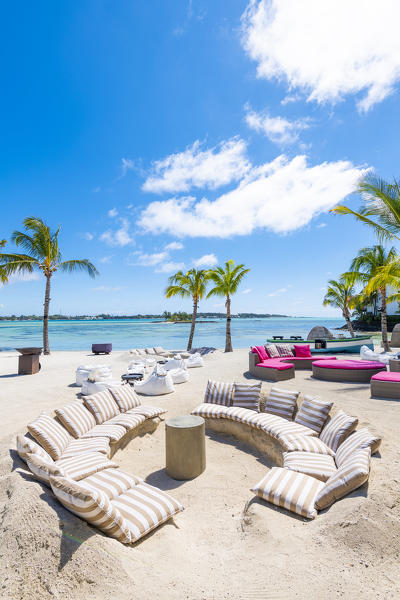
[{"x": 69, "y": 266}]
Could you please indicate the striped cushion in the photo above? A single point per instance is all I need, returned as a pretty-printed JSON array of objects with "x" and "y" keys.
[
  {"x": 148, "y": 411},
  {"x": 247, "y": 395},
  {"x": 112, "y": 482},
  {"x": 126, "y": 397},
  {"x": 219, "y": 393},
  {"x": 92, "y": 506},
  {"x": 242, "y": 415},
  {"x": 272, "y": 350},
  {"x": 353, "y": 473},
  {"x": 144, "y": 507},
  {"x": 313, "y": 413},
  {"x": 214, "y": 411},
  {"x": 26, "y": 446},
  {"x": 356, "y": 441},
  {"x": 294, "y": 491},
  {"x": 277, "y": 427},
  {"x": 85, "y": 446},
  {"x": 320, "y": 466},
  {"x": 128, "y": 421},
  {"x": 102, "y": 405},
  {"x": 338, "y": 429},
  {"x": 304, "y": 443},
  {"x": 76, "y": 418},
  {"x": 43, "y": 469},
  {"x": 78, "y": 467},
  {"x": 281, "y": 403},
  {"x": 50, "y": 434},
  {"x": 284, "y": 350},
  {"x": 113, "y": 432}
]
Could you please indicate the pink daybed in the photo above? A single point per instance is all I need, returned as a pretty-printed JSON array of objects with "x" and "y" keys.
[
  {"x": 359, "y": 371},
  {"x": 386, "y": 385},
  {"x": 282, "y": 368}
]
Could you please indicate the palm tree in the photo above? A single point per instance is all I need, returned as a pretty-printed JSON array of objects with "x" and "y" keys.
[
  {"x": 340, "y": 294},
  {"x": 370, "y": 267},
  {"x": 227, "y": 280},
  {"x": 3, "y": 276},
  {"x": 188, "y": 285},
  {"x": 42, "y": 254},
  {"x": 381, "y": 209}
]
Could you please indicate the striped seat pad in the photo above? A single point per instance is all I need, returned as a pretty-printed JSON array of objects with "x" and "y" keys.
[
  {"x": 320, "y": 466},
  {"x": 304, "y": 443},
  {"x": 144, "y": 507},
  {"x": 78, "y": 467},
  {"x": 87, "y": 445},
  {"x": 291, "y": 490},
  {"x": 218, "y": 392},
  {"x": 112, "y": 482},
  {"x": 242, "y": 415},
  {"x": 281, "y": 403},
  {"x": 338, "y": 429},
  {"x": 350, "y": 476},
  {"x": 126, "y": 420},
  {"x": 92, "y": 506},
  {"x": 357, "y": 441},
  {"x": 313, "y": 413},
  {"x": 213, "y": 411},
  {"x": 76, "y": 418},
  {"x": 147, "y": 411},
  {"x": 102, "y": 405},
  {"x": 113, "y": 432},
  {"x": 42, "y": 468},
  {"x": 50, "y": 435},
  {"x": 247, "y": 395},
  {"x": 277, "y": 427},
  {"x": 126, "y": 397},
  {"x": 27, "y": 446}
]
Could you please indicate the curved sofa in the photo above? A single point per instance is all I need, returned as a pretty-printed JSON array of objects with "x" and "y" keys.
[
  {"x": 71, "y": 453},
  {"x": 282, "y": 368},
  {"x": 357, "y": 371}
]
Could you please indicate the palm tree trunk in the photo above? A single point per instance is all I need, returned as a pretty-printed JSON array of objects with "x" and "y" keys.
[
  {"x": 228, "y": 338},
  {"x": 46, "y": 347},
  {"x": 194, "y": 315},
  {"x": 348, "y": 322},
  {"x": 385, "y": 341}
]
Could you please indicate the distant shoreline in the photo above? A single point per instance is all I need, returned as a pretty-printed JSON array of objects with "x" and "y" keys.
[{"x": 157, "y": 318}]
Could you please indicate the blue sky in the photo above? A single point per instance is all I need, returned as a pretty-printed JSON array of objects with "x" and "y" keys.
[{"x": 165, "y": 135}]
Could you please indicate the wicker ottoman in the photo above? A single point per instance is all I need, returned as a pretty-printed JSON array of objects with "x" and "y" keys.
[{"x": 357, "y": 371}]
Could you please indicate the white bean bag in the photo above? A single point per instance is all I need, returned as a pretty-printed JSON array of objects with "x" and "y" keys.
[
  {"x": 92, "y": 387},
  {"x": 159, "y": 382},
  {"x": 174, "y": 363},
  {"x": 368, "y": 354},
  {"x": 179, "y": 375},
  {"x": 136, "y": 368},
  {"x": 83, "y": 372},
  {"x": 195, "y": 360}
]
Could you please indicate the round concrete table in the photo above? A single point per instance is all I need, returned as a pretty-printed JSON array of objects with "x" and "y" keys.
[{"x": 185, "y": 447}]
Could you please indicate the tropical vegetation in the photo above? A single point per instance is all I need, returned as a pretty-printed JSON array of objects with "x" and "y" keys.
[{"x": 340, "y": 294}]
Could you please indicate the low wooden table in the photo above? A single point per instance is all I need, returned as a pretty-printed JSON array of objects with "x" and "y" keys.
[{"x": 185, "y": 448}]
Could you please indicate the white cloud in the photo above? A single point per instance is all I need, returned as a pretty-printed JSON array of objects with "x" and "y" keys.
[
  {"x": 208, "y": 260},
  {"x": 277, "y": 129},
  {"x": 247, "y": 291},
  {"x": 197, "y": 168},
  {"x": 321, "y": 225},
  {"x": 280, "y": 196},
  {"x": 105, "y": 259},
  {"x": 142, "y": 259},
  {"x": 326, "y": 49},
  {"x": 88, "y": 236},
  {"x": 112, "y": 212},
  {"x": 126, "y": 165},
  {"x": 170, "y": 267},
  {"x": 118, "y": 237},
  {"x": 277, "y": 292},
  {"x": 106, "y": 288},
  {"x": 174, "y": 246}
]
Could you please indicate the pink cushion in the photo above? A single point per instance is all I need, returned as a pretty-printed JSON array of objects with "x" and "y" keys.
[
  {"x": 302, "y": 350},
  {"x": 275, "y": 363},
  {"x": 349, "y": 364},
  {"x": 260, "y": 350},
  {"x": 387, "y": 376}
]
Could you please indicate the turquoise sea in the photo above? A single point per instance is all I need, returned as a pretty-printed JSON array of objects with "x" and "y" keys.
[{"x": 135, "y": 333}]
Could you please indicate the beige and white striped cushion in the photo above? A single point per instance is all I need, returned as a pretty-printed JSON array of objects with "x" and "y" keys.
[
  {"x": 92, "y": 506},
  {"x": 353, "y": 473},
  {"x": 26, "y": 446},
  {"x": 42, "y": 468},
  {"x": 320, "y": 466},
  {"x": 242, "y": 415},
  {"x": 147, "y": 411},
  {"x": 338, "y": 429},
  {"x": 218, "y": 392},
  {"x": 294, "y": 491},
  {"x": 144, "y": 507},
  {"x": 357, "y": 441},
  {"x": 78, "y": 467},
  {"x": 129, "y": 421},
  {"x": 112, "y": 482},
  {"x": 102, "y": 405},
  {"x": 76, "y": 418},
  {"x": 212, "y": 411},
  {"x": 113, "y": 432},
  {"x": 247, "y": 395},
  {"x": 284, "y": 350},
  {"x": 304, "y": 443},
  {"x": 281, "y": 403},
  {"x": 85, "y": 446},
  {"x": 126, "y": 397},
  {"x": 277, "y": 427},
  {"x": 50, "y": 435},
  {"x": 313, "y": 413},
  {"x": 271, "y": 350}
]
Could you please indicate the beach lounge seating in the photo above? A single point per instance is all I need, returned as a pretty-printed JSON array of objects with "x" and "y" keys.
[
  {"x": 368, "y": 354},
  {"x": 280, "y": 367},
  {"x": 194, "y": 360},
  {"x": 103, "y": 373},
  {"x": 89, "y": 484},
  {"x": 92, "y": 387},
  {"x": 359, "y": 371},
  {"x": 101, "y": 348},
  {"x": 386, "y": 384},
  {"x": 159, "y": 382},
  {"x": 320, "y": 457}
]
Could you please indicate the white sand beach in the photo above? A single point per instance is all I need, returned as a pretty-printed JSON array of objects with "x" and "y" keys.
[{"x": 226, "y": 545}]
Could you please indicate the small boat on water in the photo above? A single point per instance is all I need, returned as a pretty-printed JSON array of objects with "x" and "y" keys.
[{"x": 334, "y": 345}]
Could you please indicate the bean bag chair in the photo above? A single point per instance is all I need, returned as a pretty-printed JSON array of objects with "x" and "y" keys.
[
  {"x": 92, "y": 387},
  {"x": 195, "y": 360},
  {"x": 135, "y": 367},
  {"x": 179, "y": 375},
  {"x": 159, "y": 382},
  {"x": 368, "y": 354},
  {"x": 83, "y": 372},
  {"x": 174, "y": 363}
]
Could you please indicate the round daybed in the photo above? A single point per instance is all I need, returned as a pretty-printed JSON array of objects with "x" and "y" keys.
[
  {"x": 386, "y": 385},
  {"x": 282, "y": 368},
  {"x": 359, "y": 371}
]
